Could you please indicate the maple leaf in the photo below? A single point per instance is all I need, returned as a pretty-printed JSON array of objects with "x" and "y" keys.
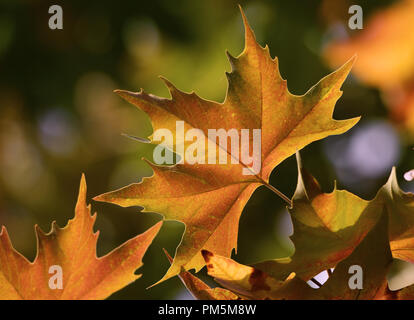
[
  {"x": 200, "y": 290},
  {"x": 327, "y": 228},
  {"x": 209, "y": 198},
  {"x": 253, "y": 283},
  {"x": 73, "y": 249}
]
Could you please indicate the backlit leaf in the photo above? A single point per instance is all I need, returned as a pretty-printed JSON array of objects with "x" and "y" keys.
[
  {"x": 254, "y": 283},
  {"x": 326, "y": 228},
  {"x": 200, "y": 290},
  {"x": 209, "y": 198},
  {"x": 73, "y": 249},
  {"x": 373, "y": 256}
]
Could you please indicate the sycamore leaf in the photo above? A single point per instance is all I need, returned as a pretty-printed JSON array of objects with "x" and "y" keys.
[
  {"x": 71, "y": 250},
  {"x": 400, "y": 206},
  {"x": 209, "y": 198},
  {"x": 374, "y": 257},
  {"x": 327, "y": 227},
  {"x": 254, "y": 283},
  {"x": 200, "y": 290}
]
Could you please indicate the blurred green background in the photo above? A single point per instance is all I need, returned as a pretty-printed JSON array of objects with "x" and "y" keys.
[{"x": 59, "y": 116}]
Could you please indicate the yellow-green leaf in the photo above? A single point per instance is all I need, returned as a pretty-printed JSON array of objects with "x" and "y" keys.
[
  {"x": 373, "y": 256},
  {"x": 326, "y": 228}
]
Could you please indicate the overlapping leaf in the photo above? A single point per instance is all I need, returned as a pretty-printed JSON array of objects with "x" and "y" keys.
[
  {"x": 373, "y": 256},
  {"x": 200, "y": 290},
  {"x": 73, "y": 249},
  {"x": 327, "y": 228},
  {"x": 331, "y": 233},
  {"x": 254, "y": 283},
  {"x": 209, "y": 198}
]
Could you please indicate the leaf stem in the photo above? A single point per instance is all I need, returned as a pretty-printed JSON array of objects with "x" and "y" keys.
[{"x": 279, "y": 193}]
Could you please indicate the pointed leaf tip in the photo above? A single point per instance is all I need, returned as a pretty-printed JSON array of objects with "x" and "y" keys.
[
  {"x": 298, "y": 161},
  {"x": 249, "y": 36},
  {"x": 82, "y": 193},
  {"x": 170, "y": 259},
  {"x": 127, "y": 95},
  {"x": 392, "y": 179}
]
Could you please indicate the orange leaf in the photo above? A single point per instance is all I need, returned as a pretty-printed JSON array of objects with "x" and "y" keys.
[
  {"x": 69, "y": 253},
  {"x": 384, "y": 47},
  {"x": 253, "y": 283},
  {"x": 209, "y": 198}
]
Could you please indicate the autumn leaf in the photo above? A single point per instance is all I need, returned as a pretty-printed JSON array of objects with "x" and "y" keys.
[
  {"x": 73, "y": 249},
  {"x": 200, "y": 290},
  {"x": 373, "y": 257},
  {"x": 385, "y": 47},
  {"x": 209, "y": 198},
  {"x": 253, "y": 283},
  {"x": 326, "y": 228}
]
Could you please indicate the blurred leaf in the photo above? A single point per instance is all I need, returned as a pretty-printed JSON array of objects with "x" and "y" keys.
[{"x": 384, "y": 47}]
